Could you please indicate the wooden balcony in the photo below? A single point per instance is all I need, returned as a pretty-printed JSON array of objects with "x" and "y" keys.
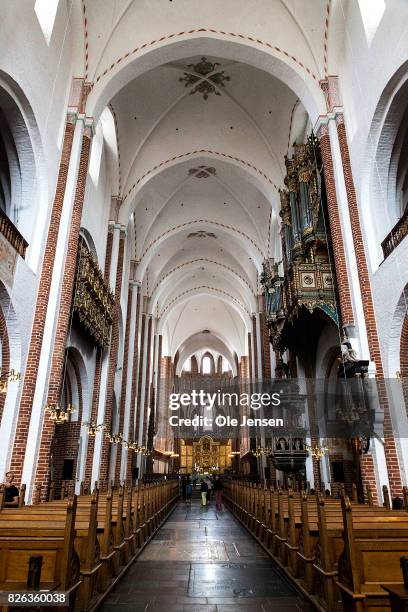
[
  {"x": 11, "y": 233},
  {"x": 396, "y": 235}
]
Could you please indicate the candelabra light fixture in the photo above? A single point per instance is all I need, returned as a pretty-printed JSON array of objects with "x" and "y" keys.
[
  {"x": 115, "y": 438},
  {"x": 58, "y": 414},
  {"x": 131, "y": 445},
  {"x": 317, "y": 452},
  {"x": 11, "y": 376},
  {"x": 93, "y": 428}
]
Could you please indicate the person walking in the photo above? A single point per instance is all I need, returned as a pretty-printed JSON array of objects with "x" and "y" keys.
[
  {"x": 218, "y": 488},
  {"x": 204, "y": 491},
  {"x": 184, "y": 488},
  {"x": 189, "y": 489},
  {"x": 209, "y": 487}
]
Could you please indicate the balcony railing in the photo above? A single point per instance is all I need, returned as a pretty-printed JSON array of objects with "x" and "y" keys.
[
  {"x": 396, "y": 235},
  {"x": 11, "y": 233}
]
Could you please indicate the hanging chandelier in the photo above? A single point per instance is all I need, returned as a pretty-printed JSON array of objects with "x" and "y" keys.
[
  {"x": 11, "y": 376},
  {"x": 131, "y": 446},
  {"x": 317, "y": 452},
  {"x": 115, "y": 438},
  {"x": 93, "y": 428},
  {"x": 262, "y": 450},
  {"x": 58, "y": 414}
]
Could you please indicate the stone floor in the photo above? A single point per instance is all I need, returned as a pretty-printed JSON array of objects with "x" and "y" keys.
[{"x": 203, "y": 560}]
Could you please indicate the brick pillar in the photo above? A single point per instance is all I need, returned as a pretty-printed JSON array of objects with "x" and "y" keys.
[
  {"x": 94, "y": 413},
  {"x": 194, "y": 366},
  {"x": 135, "y": 366},
  {"x": 158, "y": 387},
  {"x": 266, "y": 350},
  {"x": 124, "y": 381},
  {"x": 147, "y": 384},
  {"x": 113, "y": 356},
  {"x": 250, "y": 354},
  {"x": 368, "y": 476},
  {"x": 219, "y": 365},
  {"x": 265, "y": 344},
  {"x": 44, "y": 286},
  {"x": 255, "y": 346},
  {"x": 390, "y": 450},
  {"x": 139, "y": 409},
  {"x": 97, "y": 375},
  {"x": 244, "y": 368},
  {"x": 346, "y": 309},
  {"x": 164, "y": 430},
  {"x": 58, "y": 362}
]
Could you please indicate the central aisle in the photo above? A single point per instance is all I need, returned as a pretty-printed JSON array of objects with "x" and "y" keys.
[{"x": 203, "y": 560}]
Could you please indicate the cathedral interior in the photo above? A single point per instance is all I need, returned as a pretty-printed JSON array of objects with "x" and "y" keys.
[{"x": 204, "y": 305}]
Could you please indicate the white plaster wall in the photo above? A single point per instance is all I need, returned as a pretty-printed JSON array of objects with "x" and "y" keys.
[
  {"x": 365, "y": 70},
  {"x": 38, "y": 77},
  {"x": 95, "y": 215}
]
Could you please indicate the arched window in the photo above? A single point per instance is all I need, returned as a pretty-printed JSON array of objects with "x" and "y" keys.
[
  {"x": 19, "y": 190},
  {"x": 96, "y": 154},
  {"x": 46, "y": 11},
  {"x": 401, "y": 183},
  {"x": 372, "y": 12},
  {"x": 387, "y": 191},
  {"x": 206, "y": 365},
  {"x": 10, "y": 174}
]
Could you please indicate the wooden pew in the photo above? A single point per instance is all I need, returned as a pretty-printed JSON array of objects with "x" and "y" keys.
[
  {"x": 373, "y": 546},
  {"x": 86, "y": 540},
  {"x": 106, "y": 527},
  {"x": 53, "y": 538}
]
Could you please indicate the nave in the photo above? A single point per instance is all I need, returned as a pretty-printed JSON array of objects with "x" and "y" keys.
[
  {"x": 203, "y": 561},
  {"x": 203, "y": 273}
]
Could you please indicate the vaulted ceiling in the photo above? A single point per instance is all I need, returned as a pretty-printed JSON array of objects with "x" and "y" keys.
[{"x": 201, "y": 143}]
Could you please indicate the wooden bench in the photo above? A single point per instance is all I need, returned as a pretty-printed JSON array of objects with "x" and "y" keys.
[
  {"x": 24, "y": 535},
  {"x": 373, "y": 546}
]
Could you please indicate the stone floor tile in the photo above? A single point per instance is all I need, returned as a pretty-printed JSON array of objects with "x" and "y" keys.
[{"x": 203, "y": 561}]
